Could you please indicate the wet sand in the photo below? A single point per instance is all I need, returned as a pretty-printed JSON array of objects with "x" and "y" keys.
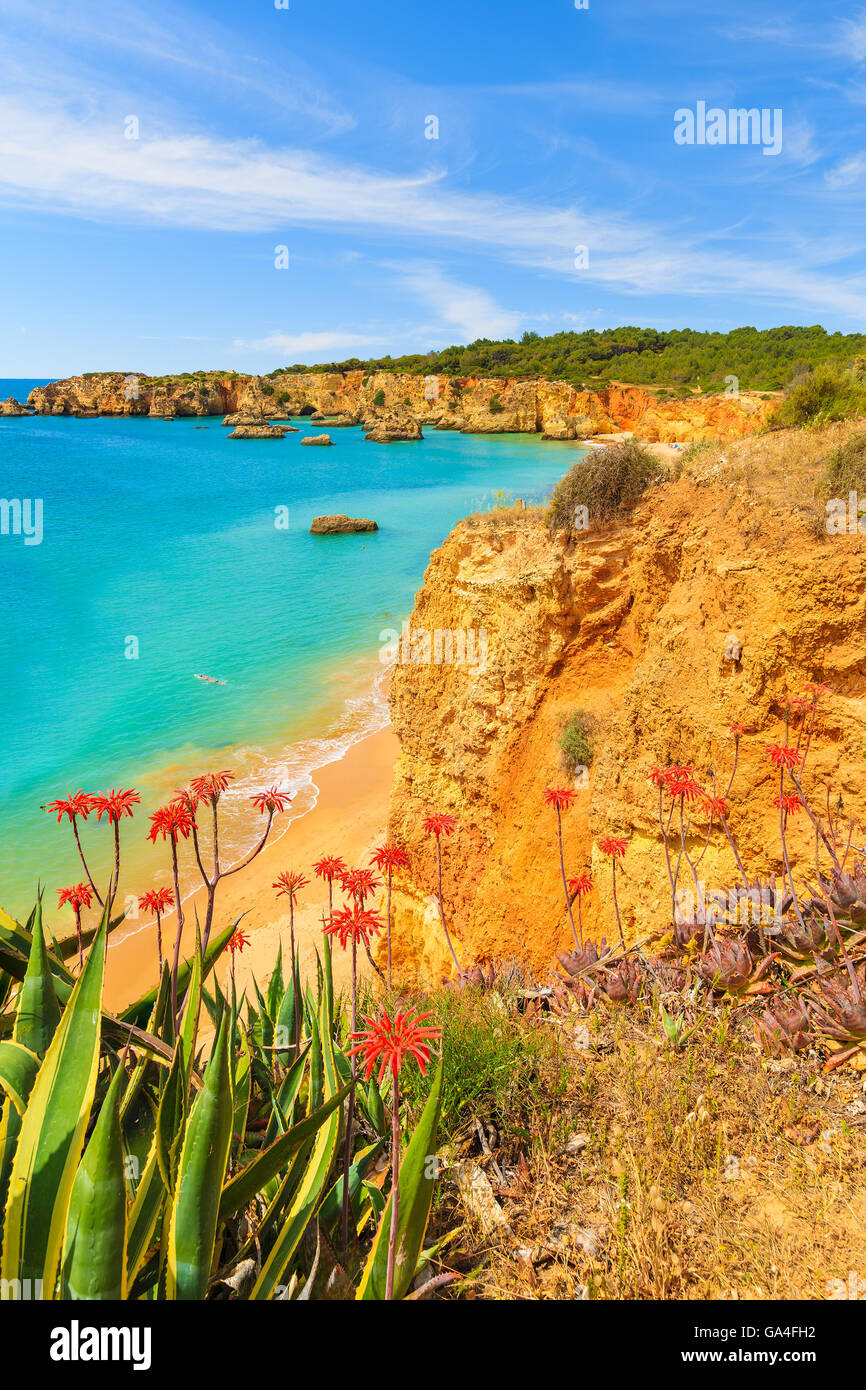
[{"x": 349, "y": 819}]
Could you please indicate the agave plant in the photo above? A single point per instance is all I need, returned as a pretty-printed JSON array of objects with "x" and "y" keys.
[{"x": 130, "y": 1169}]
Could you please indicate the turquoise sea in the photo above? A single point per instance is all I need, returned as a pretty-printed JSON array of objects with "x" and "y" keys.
[{"x": 161, "y": 558}]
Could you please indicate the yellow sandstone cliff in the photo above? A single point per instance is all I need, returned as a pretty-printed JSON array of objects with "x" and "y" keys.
[
  {"x": 630, "y": 624},
  {"x": 470, "y": 404}
]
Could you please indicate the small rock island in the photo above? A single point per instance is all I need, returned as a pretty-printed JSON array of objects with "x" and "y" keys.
[{"x": 337, "y": 525}]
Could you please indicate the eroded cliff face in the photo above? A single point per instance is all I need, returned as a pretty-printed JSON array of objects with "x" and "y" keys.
[
  {"x": 628, "y": 624},
  {"x": 470, "y": 404}
]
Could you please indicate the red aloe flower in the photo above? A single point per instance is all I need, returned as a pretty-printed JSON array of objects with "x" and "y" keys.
[
  {"x": 76, "y": 804},
  {"x": 738, "y": 729},
  {"x": 580, "y": 886},
  {"x": 156, "y": 901},
  {"x": 560, "y": 797},
  {"x": 715, "y": 805},
  {"x": 355, "y": 923},
  {"x": 329, "y": 867},
  {"x": 789, "y": 804},
  {"x": 172, "y": 820},
  {"x": 680, "y": 782},
  {"x": 817, "y": 690},
  {"x": 439, "y": 824},
  {"x": 390, "y": 1041},
  {"x": 657, "y": 775},
  {"x": 237, "y": 941},
  {"x": 114, "y": 804},
  {"x": 210, "y": 787},
  {"x": 78, "y": 896},
  {"x": 271, "y": 801},
  {"x": 781, "y": 755},
  {"x": 389, "y": 857},
  {"x": 289, "y": 884},
  {"x": 615, "y": 846},
  {"x": 358, "y": 883}
]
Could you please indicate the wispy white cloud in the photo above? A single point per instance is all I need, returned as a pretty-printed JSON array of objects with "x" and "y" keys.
[
  {"x": 470, "y": 311},
  {"x": 847, "y": 174},
  {"x": 299, "y": 345},
  {"x": 62, "y": 149}
]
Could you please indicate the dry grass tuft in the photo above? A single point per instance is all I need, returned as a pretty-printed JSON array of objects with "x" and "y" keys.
[{"x": 707, "y": 1173}]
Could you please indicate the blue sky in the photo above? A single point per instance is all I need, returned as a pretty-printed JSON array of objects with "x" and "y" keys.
[{"x": 305, "y": 127}]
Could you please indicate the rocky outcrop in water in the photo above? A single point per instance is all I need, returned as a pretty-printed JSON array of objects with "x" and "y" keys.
[
  {"x": 265, "y": 431},
  {"x": 340, "y": 524},
  {"x": 12, "y": 407},
  {"x": 318, "y": 439},
  {"x": 392, "y": 428}
]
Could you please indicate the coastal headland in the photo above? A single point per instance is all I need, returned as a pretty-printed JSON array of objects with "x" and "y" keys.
[{"x": 395, "y": 405}]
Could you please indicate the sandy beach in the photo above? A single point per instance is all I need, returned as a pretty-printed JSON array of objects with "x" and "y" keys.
[{"x": 349, "y": 819}]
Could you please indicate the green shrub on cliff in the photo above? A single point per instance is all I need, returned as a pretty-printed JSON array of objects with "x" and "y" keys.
[
  {"x": 379, "y": 398},
  {"x": 827, "y": 393},
  {"x": 267, "y": 389},
  {"x": 577, "y": 741},
  {"x": 605, "y": 483}
]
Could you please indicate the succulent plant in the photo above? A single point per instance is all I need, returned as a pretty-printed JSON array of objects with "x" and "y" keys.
[
  {"x": 839, "y": 1013},
  {"x": 728, "y": 968},
  {"x": 622, "y": 983},
  {"x": 786, "y": 1028}
]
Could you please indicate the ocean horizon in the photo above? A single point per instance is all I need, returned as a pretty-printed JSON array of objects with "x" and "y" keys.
[{"x": 169, "y": 551}]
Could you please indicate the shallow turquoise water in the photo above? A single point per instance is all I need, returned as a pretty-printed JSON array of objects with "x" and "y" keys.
[{"x": 165, "y": 533}]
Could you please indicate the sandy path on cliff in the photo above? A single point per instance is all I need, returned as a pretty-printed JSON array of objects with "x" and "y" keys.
[{"x": 349, "y": 819}]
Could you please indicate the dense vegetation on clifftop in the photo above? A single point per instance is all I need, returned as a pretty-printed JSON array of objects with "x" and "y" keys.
[{"x": 761, "y": 359}]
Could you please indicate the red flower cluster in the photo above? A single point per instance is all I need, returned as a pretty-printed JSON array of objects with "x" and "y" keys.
[
  {"x": 210, "y": 787},
  {"x": 289, "y": 884},
  {"x": 171, "y": 821},
  {"x": 329, "y": 867},
  {"x": 781, "y": 755},
  {"x": 580, "y": 885},
  {"x": 560, "y": 797},
  {"x": 389, "y": 857},
  {"x": 356, "y": 923},
  {"x": 237, "y": 941},
  {"x": 78, "y": 896},
  {"x": 390, "y": 1041},
  {"x": 358, "y": 883},
  {"x": 76, "y": 804},
  {"x": 614, "y": 846},
  {"x": 114, "y": 804},
  {"x": 156, "y": 901},
  {"x": 439, "y": 824},
  {"x": 271, "y": 801},
  {"x": 789, "y": 804},
  {"x": 677, "y": 781}
]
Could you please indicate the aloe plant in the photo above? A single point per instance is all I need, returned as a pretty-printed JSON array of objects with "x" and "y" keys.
[{"x": 131, "y": 1168}]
